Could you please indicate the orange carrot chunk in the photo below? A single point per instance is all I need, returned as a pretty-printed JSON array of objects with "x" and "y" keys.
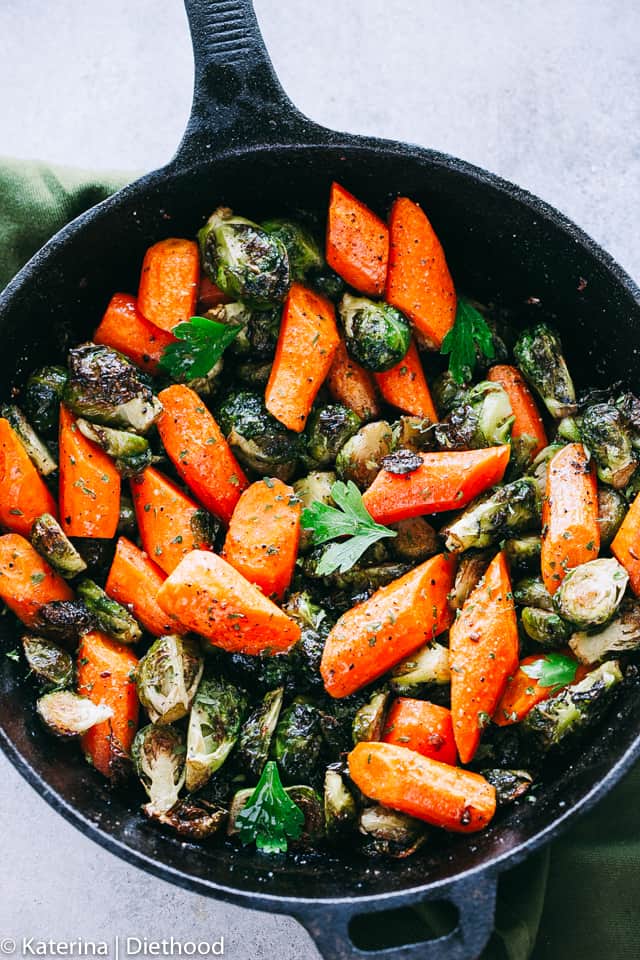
[
  {"x": 169, "y": 282},
  {"x": 372, "y": 637},
  {"x": 263, "y": 536},
  {"x": 483, "y": 652},
  {"x": 352, "y": 385},
  {"x": 307, "y": 343},
  {"x": 106, "y": 674},
  {"x": 27, "y": 581},
  {"x": 125, "y": 329},
  {"x": 442, "y": 795},
  {"x": 421, "y": 726},
  {"x": 626, "y": 545},
  {"x": 89, "y": 484},
  {"x": 445, "y": 481},
  {"x": 527, "y": 426},
  {"x": 134, "y": 581},
  {"x": 405, "y": 386},
  {"x": 24, "y": 495},
  {"x": 570, "y": 531},
  {"x": 522, "y": 692},
  {"x": 357, "y": 242},
  {"x": 418, "y": 281},
  {"x": 210, "y": 597}
]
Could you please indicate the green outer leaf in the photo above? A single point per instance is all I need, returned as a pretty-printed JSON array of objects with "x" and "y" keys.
[
  {"x": 469, "y": 331},
  {"x": 270, "y": 815},
  {"x": 553, "y": 670},
  {"x": 201, "y": 343}
]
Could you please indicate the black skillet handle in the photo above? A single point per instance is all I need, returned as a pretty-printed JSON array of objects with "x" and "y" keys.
[{"x": 474, "y": 898}]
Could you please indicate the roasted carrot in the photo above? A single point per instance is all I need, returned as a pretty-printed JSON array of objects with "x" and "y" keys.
[
  {"x": 167, "y": 519},
  {"x": 199, "y": 451},
  {"x": 106, "y": 674},
  {"x": 209, "y": 295},
  {"x": 263, "y": 535},
  {"x": 626, "y": 545},
  {"x": 134, "y": 581},
  {"x": 528, "y": 422},
  {"x": 445, "y": 481},
  {"x": 442, "y": 795},
  {"x": 27, "y": 581},
  {"x": 24, "y": 496},
  {"x": 405, "y": 386},
  {"x": 169, "y": 282},
  {"x": 307, "y": 343},
  {"x": 418, "y": 280},
  {"x": 210, "y": 597},
  {"x": 125, "y": 329},
  {"x": 89, "y": 484},
  {"x": 421, "y": 726},
  {"x": 372, "y": 637},
  {"x": 483, "y": 654},
  {"x": 357, "y": 242},
  {"x": 352, "y": 385},
  {"x": 570, "y": 531},
  {"x": 522, "y": 692}
]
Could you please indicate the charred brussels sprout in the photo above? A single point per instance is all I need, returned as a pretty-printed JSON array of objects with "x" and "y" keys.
[
  {"x": 509, "y": 784},
  {"x": 373, "y": 570},
  {"x": 302, "y": 248},
  {"x": 508, "y": 509},
  {"x": 52, "y": 543},
  {"x": 416, "y": 540},
  {"x": 191, "y": 821},
  {"x": 340, "y": 810},
  {"x": 605, "y": 433},
  {"x": 545, "y": 627},
  {"x": 104, "y": 387},
  {"x": 64, "y": 621},
  {"x": 50, "y": 664},
  {"x": 428, "y": 666},
  {"x": 447, "y": 393},
  {"x": 360, "y": 457},
  {"x": 389, "y": 833},
  {"x": 471, "y": 569},
  {"x": 612, "y": 509},
  {"x": 531, "y": 592},
  {"x": 259, "y": 441},
  {"x": 214, "y": 726},
  {"x": 368, "y": 722},
  {"x": 41, "y": 398},
  {"x": 37, "y": 451},
  {"x": 68, "y": 715},
  {"x": 539, "y": 467},
  {"x": 167, "y": 678},
  {"x": 329, "y": 284},
  {"x": 622, "y": 635},
  {"x": 263, "y": 331},
  {"x": 257, "y": 732},
  {"x": 538, "y": 354},
  {"x": 109, "y": 615},
  {"x": 328, "y": 429},
  {"x": 590, "y": 594},
  {"x": 523, "y": 553},
  {"x": 413, "y": 433},
  {"x": 254, "y": 375},
  {"x": 484, "y": 419},
  {"x": 297, "y": 742},
  {"x": 246, "y": 262},
  {"x": 158, "y": 758},
  {"x": 568, "y": 430},
  {"x": 376, "y": 334},
  {"x": 315, "y": 486},
  {"x": 131, "y": 453},
  {"x": 97, "y": 553}
]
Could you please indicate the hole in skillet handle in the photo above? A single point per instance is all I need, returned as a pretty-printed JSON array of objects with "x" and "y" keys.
[{"x": 456, "y": 924}]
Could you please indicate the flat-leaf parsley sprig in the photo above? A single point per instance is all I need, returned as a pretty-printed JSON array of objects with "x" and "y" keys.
[
  {"x": 201, "y": 343},
  {"x": 552, "y": 670},
  {"x": 270, "y": 815},
  {"x": 469, "y": 331}
]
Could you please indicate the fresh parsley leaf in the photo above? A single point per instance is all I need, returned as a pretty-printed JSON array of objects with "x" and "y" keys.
[
  {"x": 270, "y": 815},
  {"x": 469, "y": 331},
  {"x": 12, "y": 655},
  {"x": 201, "y": 343},
  {"x": 349, "y": 518},
  {"x": 553, "y": 670}
]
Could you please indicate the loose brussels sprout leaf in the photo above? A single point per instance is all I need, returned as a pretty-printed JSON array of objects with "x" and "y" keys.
[
  {"x": 214, "y": 726},
  {"x": 37, "y": 451},
  {"x": 52, "y": 543},
  {"x": 131, "y": 453},
  {"x": 260, "y": 442},
  {"x": 604, "y": 431},
  {"x": 41, "y": 398},
  {"x": 545, "y": 627},
  {"x": 612, "y": 509},
  {"x": 68, "y": 715},
  {"x": 158, "y": 758},
  {"x": 52, "y": 666},
  {"x": 427, "y": 666},
  {"x": 590, "y": 594},
  {"x": 509, "y": 784},
  {"x": 539, "y": 467},
  {"x": 471, "y": 570},
  {"x": 191, "y": 821},
  {"x": 297, "y": 742},
  {"x": 413, "y": 433},
  {"x": 376, "y": 334},
  {"x": 523, "y": 553},
  {"x": 507, "y": 509},
  {"x": 368, "y": 722},
  {"x": 360, "y": 458},
  {"x": 65, "y": 621},
  {"x": 416, "y": 540},
  {"x": 531, "y": 592},
  {"x": 340, "y": 810},
  {"x": 257, "y": 732},
  {"x": 314, "y": 487},
  {"x": 303, "y": 250},
  {"x": 109, "y": 615},
  {"x": 167, "y": 678},
  {"x": 622, "y": 635},
  {"x": 538, "y": 354},
  {"x": 483, "y": 419},
  {"x": 328, "y": 429},
  {"x": 389, "y": 833},
  {"x": 266, "y": 816}
]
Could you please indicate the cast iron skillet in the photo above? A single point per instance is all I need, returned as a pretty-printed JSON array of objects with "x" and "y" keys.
[{"x": 247, "y": 146}]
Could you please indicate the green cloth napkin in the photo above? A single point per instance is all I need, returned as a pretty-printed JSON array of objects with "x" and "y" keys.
[{"x": 577, "y": 899}]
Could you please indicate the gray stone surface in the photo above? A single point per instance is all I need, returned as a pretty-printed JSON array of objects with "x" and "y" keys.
[{"x": 545, "y": 94}]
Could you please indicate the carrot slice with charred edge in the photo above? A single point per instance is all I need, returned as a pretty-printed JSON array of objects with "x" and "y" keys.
[
  {"x": 27, "y": 581},
  {"x": 528, "y": 421},
  {"x": 352, "y": 385},
  {"x": 210, "y": 597},
  {"x": 209, "y": 295},
  {"x": 263, "y": 535},
  {"x": 169, "y": 282},
  {"x": 24, "y": 495},
  {"x": 570, "y": 531},
  {"x": 405, "y": 386},
  {"x": 198, "y": 450},
  {"x": 421, "y": 726},
  {"x": 89, "y": 484},
  {"x": 626, "y": 545},
  {"x": 106, "y": 674},
  {"x": 372, "y": 637},
  {"x": 357, "y": 242},
  {"x": 134, "y": 581},
  {"x": 445, "y": 481},
  {"x": 442, "y": 795},
  {"x": 418, "y": 281},
  {"x": 523, "y": 692},
  {"x": 125, "y": 329},
  {"x": 165, "y": 517},
  {"x": 483, "y": 654},
  {"x": 307, "y": 343}
]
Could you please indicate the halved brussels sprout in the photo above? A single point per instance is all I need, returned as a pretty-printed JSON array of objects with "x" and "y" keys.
[
  {"x": 483, "y": 419},
  {"x": 359, "y": 459},
  {"x": 131, "y": 453},
  {"x": 65, "y": 621},
  {"x": 68, "y": 715},
  {"x": 604, "y": 431},
  {"x": 340, "y": 810},
  {"x": 52, "y": 543},
  {"x": 41, "y": 398},
  {"x": 545, "y": 627},
  {"x": 49, "y": 663},
  {"x": 413, "y": 433},
  {"x": 297, "y": 742},
  {"x": 427, "y": 666},
  {"x": 590, "y": 594},
  {"x": 531, "y": 592},
  {"x": 260, "y": 442},
  {"x": 538, "y": 354},
  {"x": 471, "y": 570},
  {"x": 621, "y": 635},
  {"x": 389, "y": 833},
  {"x": 191, "y": 821},
  {"x": 109, "y": 615},
  {"x": 523, "y": 553},
  {"x": 302, "y": 248},
  {"x": 612, "y": 509},
  {"x": 37, "y": 451},
  {"x": 167, "y": 678},
  {"x": 509, "y": 784},
  {"x": 447, "y": 393},
  {"x": 539, "y": 468},
  {"x": 214, "y": 727},
  {"x": 257, "y": 733},
  {"x": 328, "y": 429},
  {"x": 158, "y": 758},
  {"x": 376, "y": 334},
  {"x": 368, "y": 722},
  {"x": 416, "y": 540},
  {"x": 314, "y": 487},
  {"x": 507, "y": 509}
]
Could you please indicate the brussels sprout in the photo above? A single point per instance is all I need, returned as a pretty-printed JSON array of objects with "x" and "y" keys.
[
  {"x": 376, "y": 334},
  {"x": 531, "y": 592},
  {"x": 254, "y": 374},
  {"x": 305, "y": 798},
  {"x": 36, "y": 450},
  {"x": 612, "y": 508},
  {"x": 370, "y": 572},
  {"x": 484, "y": 419},
  {"x": 629, "y": 406},
  {"x": 507, "y": 509},
  {"x": 575, "y": 708},
  {"x": 545, "y": 627},
  {"x": 428, "y": 666},
  {"x": 104, "y": 387},
  {"x": 590, "y": 594},
  {"x": 471, "y": 570},
  {"x": 368, "y": 722},
  {"x": 447, "y": 393},
  {"x": 109, "y": 615},
  {"x": 360, "y": 457},
  {"x": 260, "y": 442},
  {"x": 41, "y": 398},
  {"x": 68, "y": 715},
  {"x": 191, "y": 821},
  {"x": 297, "y": 742},
  {"x": 314, "y": 487},
  {"x": 167, "y": 678},
  {"x": 605, "y": 433},
  {"x": 257, "y": 732},
  {"x": 389, "y": 833},
  {"x": 340, "y": 810},
  {"x": 214, "y": 726},
  {"x": 523, "y": 553},
  {"x": 621, "y": 635},
  {"x": 131, "y": 453},
  {"x": 539, "y": 467},
  {"x": 329, "y": 284},
  {"x": 509, "y": 784},
  {"x": 50, "y": 664},
  {"x": 305, "y": 656},
  {"x": 245, "y": 261},
  {"x": 158, "y": 759},
  {"x": 205, "y": 528},
  {"x": 303, "y": 251},
  {"x": 263, "y": 331},
  {"x": 568, "y": 430},
  {"x": 52, "y": 543},
  {"x": 127, "y": 521},
  {"x": 65, "y": 621},
  {"x": 538, "y": 354},
  {"x": 413, "y": 433},
  {"x": 328, "y": 429},
  {"x": 416, "y": 540}
]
